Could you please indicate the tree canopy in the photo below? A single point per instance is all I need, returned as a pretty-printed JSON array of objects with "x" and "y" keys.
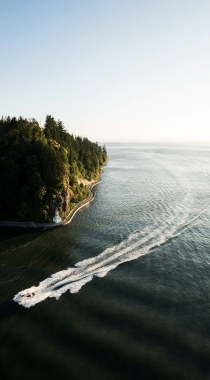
[{"x": 39, "y": 168}]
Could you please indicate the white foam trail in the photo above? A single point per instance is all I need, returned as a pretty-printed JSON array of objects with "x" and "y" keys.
[
  {"x": 136, "y": 245},
  {"x": 173, "y": 219}
]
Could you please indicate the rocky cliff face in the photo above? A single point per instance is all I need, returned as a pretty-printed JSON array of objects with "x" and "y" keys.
[{"x": 61, "y": 202}]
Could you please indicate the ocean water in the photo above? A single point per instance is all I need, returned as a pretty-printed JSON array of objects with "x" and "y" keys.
[{"x": 123, "y": 291}]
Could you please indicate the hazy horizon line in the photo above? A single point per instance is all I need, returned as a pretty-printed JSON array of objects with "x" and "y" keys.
[{"x": 152, "y": 141}]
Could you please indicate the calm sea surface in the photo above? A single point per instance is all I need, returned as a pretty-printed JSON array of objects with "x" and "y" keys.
[{"x": 137, "y": 304}]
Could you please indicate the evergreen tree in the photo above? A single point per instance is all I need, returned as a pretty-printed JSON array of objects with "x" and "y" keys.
[{"x": 41, "y": 166}]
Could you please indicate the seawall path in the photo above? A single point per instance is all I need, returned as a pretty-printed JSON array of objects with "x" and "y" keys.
[{"x": 67, "y": 220}]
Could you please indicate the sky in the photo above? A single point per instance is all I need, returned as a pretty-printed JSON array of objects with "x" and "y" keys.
[{"x": 109, "y": 69}]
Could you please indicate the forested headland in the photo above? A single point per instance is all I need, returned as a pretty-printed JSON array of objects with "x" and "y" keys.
[{"x": 40, "y": 169}]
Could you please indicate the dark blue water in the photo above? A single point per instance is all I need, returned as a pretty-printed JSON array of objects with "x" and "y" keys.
[{"x": 129, "y": 297}]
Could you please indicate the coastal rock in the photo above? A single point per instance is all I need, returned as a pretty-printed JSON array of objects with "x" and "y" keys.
[{"x": 61, "y": 202}]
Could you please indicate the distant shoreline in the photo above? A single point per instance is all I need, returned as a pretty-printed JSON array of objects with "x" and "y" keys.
[{"x": 67, "y": 220}]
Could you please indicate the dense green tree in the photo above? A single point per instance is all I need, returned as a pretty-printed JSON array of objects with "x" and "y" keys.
[{"x": 39, "y": 166}]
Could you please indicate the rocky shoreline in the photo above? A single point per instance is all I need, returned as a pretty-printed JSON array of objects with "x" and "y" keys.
[{"x": 67, "y": 220}]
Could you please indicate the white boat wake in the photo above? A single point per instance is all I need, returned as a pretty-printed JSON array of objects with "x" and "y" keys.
[
  {"x": 173, "y": 212},
  {"x": 136, "y": 245}
]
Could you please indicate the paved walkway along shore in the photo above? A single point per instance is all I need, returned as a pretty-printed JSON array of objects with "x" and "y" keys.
[{"x": 68, "y": 219}]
